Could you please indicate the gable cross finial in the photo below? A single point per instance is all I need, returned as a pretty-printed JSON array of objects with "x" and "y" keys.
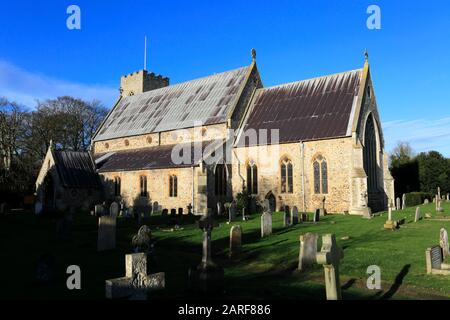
[
  {"x": 366, "y": 55},
  {"x": 253, "y": 54}
]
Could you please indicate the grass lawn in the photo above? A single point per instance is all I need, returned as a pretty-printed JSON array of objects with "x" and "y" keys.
[{"x": 266, "y": 268}]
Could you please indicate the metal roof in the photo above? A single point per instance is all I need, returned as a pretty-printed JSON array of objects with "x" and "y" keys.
[
  {"x": 311, "y": 109},
  {"x": 75, "y": 169},
  {"x": 158, "y": 157},
  {"x": 207, "y": 100}
]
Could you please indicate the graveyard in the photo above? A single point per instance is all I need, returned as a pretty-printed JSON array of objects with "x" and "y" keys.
[{"x": 263, "y": 268}]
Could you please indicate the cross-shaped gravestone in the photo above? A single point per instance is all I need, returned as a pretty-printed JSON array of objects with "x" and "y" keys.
[
  {"x": 136, "y": 282},
  {"x": 206, "y": 223},
  {"x": 189, "y": 207},
  {"x": 330, "y": 256}
]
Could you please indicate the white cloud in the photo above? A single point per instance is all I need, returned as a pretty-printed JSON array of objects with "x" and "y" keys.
[
  {"x": 422, "y": 134},
  {"x": 26, "y": 87}
]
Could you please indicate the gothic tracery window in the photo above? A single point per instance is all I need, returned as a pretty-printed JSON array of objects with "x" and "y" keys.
[
  {"x": 220, "y": 180},
  {"x": 320, "y": 169},
  {"x": 286, "y": 176}
]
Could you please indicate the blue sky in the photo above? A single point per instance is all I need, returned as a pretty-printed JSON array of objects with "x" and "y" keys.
[{"x": 410, "y": 56}]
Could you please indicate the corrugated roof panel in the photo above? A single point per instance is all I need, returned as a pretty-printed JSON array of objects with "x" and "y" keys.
[
  {"x": 175, "y": 107},
  {"x": 311, "y": 109}
]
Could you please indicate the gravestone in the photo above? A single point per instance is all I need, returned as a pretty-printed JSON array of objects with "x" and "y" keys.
[
  {"x": 208, "y": 276},
  {"x": 235, "y": 239},
  {"x": 330, "y": 256},
  {"x": 426, "y": 201},
  {"x": 266, "y": 206},
  {"x": 448, "y": 197},
  {"x": 403, "y": 201},
  {"x": 164, "y": 212},
  {"x": 322, "y": 211},
  {"x": 114, "y": 209},
  {"x": 390, "y": 223},
  {"x": 219, "y": 209},
  {"x": 398, "y": 203},
  {"x": 173, "y": 212},
  {"x": 266, "y": 224},
  {"x": 106, "y": 233},
  {"x": 443, "y": 242},
  {"x": 294, "y": 215},
  {"x": 233, "y": 211},
  {"x": 308, "y": 250},
  {"x": 180, "y": 211},
  {"x": 244, "y": 216},
  {"x": 304, "y": 217},
  {"x": 189, "y": 207},
  {"x": 136, "y": 282},
  {"x": 141, "y": 242},
  {"x": 434, "y": 261},
  {"x": 316, "y": 216},
  {"x": 417, "y": 215},
  {"x": 155, "y": 207},
  {"x": 286, "y": 218},
  {"x": 99, "y": 210}
]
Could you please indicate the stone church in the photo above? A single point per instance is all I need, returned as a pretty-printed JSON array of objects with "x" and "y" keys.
[{"x": 312, "y": 143}]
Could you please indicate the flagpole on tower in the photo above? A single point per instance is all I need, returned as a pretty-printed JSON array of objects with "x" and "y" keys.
[{"x": 145, "y": 52}]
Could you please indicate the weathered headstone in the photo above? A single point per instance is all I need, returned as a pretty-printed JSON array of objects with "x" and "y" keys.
[
  {"x": 330, "y": 256},
  {"x": 294, "y": 215},
  {"x": 304, "y": 217},
  {"x": 417, "y": 215},
  {"x": 136, "y": 282},
  {"x": 443, "y": 242},
  {"x": 426, "y": 201},
  {"x": 99, "y": 210},
  {"x": 155, "y": 207},
  {"x": 208, "y": 275},
  {"x": 235, "y": 239},
  {"x": 403, "y": 201},
  {"x": 141, "y": 242},
  {"x": 164, "y": 212},
  {"x": 180, "y": 211},
  {"x": 219, "y": 209},
  {"x": 106, "y": 233},
  {"x": 434, "y": 261},
  {"x": 398, "y": 203},
  {"x": 266, "y": 224},
  {"x": 286, "y": 218},
  {"x": 114, "y": 209},
  {"x": 233, "y": 211},
  {"x": 308, "y": 250},
  {"x": 316, "y": 216}
]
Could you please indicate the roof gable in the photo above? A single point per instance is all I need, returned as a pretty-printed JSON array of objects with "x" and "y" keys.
[
  {"x": 207, "y": 100},
  {"x": 313, "y": 109}
]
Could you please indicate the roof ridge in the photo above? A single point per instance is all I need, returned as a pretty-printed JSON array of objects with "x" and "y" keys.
[{"x": 309, "y": 79}]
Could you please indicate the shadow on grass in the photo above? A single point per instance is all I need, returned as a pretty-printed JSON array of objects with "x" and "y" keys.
[{"x": 397, "y": 283}]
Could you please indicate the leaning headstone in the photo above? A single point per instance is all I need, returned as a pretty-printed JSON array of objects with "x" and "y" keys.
[
  {"x": 308, "y": 250},
  {"x": 443, "y": 242},
  {"x": 114, "y": 209},
  {"x": 141, "y": 242},
  {"x": 235, "y": 239},
  {"x": 294, "y": 215},
  {"x": 106, "y": 233},
  {"x": 398, "y": 203},
  {"x": 417, "y": 215},
  {"x": 266, "y": 224},
  {"x": 316, "y": 216},
  {"x": 330, "y": 256},
  {"x": 403, "y": 201},
  {"x": 136, "y": 282}
]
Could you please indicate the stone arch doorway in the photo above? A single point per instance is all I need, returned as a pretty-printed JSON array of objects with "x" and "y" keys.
[
  {"x": 272, "y": 201},
  {"x": 371, "y": 165},
  {"x": 48, "y": 192}
]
